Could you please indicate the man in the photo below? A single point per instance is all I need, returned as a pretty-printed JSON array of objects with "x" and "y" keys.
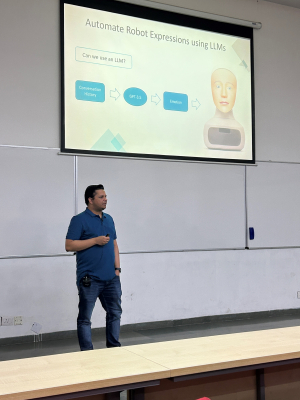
[{"x": 92, "y": 236}]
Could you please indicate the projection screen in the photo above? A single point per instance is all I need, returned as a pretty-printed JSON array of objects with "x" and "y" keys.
[{"x": 147, "y": 83}]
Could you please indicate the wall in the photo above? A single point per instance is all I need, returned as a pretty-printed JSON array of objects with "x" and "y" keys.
[{"x": 156, "y": 286}]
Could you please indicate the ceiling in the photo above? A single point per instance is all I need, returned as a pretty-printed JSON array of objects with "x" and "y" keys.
[{"x": 291, "y": 3}]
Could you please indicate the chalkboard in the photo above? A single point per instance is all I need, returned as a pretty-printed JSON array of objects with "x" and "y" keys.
[
  {"x": 273, "y": 199},
  {"x": 161, "y": 206},
  {"x": 37, "y": 201}
]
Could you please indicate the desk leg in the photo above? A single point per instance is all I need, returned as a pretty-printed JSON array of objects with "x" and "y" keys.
[
  {"x": 112, "y": 396},
  {"x": 260, "y": 384},
  {"x": 136, "y": 394}
]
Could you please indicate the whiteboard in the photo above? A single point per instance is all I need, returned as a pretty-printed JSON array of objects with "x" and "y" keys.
[
  {"x": 169, "y": 206},
  {"x": 37, "y": 201},
  {"x": 273, "y": 199}
]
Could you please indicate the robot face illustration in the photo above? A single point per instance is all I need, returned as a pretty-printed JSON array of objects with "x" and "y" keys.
[{"x": 223, "y": 87}]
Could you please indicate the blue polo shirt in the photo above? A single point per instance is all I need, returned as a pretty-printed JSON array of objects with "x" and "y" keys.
[{"x": 96, "y": 261}]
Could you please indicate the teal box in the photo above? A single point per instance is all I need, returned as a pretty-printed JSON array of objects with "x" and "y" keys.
[
  {"x": 90, "y": 91},
  {"x": 176, "y": 101}
]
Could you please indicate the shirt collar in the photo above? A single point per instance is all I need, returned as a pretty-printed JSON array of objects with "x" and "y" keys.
[{"x": 87, "y": 210}]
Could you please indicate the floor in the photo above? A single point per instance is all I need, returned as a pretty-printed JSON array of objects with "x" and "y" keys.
[{"x": 127, "y": 338}]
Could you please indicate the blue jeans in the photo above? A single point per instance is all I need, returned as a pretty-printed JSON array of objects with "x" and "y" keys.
[{"x": 109, "y": 293}]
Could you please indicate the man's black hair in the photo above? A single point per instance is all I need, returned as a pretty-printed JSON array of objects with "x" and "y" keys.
[{"x": 90, "y": 191}]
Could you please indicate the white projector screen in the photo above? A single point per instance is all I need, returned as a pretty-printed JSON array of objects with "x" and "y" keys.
[{"x": 139, "y": 82}]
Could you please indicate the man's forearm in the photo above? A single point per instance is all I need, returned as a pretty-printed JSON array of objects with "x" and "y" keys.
[
  {"x": 117, "y": 255},
  {"x": 78, "y": 245}
]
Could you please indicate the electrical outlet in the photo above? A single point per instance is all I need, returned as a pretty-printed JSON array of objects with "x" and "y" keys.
[
  {"x": 7, "y": 321},
  {"x": 298, "y": 295},
  {"x": 18, "y": 320}
]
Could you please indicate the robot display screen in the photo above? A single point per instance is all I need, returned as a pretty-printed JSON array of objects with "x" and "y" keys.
[{"x": 139, "y": 82}]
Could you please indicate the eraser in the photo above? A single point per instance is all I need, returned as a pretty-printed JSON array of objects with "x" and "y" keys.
[{"x": 251, "y": 233}]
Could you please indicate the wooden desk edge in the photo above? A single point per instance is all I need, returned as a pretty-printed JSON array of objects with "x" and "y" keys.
[
  {"x": 256, "y": 361},
  {"x": 81, "y": 387}
]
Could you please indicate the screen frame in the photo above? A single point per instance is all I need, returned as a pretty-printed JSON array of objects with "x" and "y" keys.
[{"x": 169, "y": 17}]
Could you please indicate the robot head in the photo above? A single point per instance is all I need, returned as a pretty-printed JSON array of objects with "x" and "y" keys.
[{"x": 223, "y": 87}]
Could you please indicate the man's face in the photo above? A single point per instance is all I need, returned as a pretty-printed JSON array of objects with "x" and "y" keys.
[
  {"x": 223, "y": 87},
  {"x": 98, "y": 203}
]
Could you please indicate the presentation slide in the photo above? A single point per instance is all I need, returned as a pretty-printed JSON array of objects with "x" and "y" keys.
[{"x": 139, "y": 87}]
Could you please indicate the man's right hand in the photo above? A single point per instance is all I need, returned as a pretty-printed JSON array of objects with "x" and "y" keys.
[{"x": 101, "y": 240}]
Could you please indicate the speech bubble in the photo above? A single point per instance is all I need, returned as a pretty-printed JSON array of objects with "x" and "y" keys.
[{"x": 102, "y": 57}]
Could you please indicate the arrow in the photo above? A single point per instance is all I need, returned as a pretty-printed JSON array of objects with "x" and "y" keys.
[
  {"x": 155, "y": 99},
  {"x": 114, "y": 94},
  {"x": 196, "y": 104}
]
